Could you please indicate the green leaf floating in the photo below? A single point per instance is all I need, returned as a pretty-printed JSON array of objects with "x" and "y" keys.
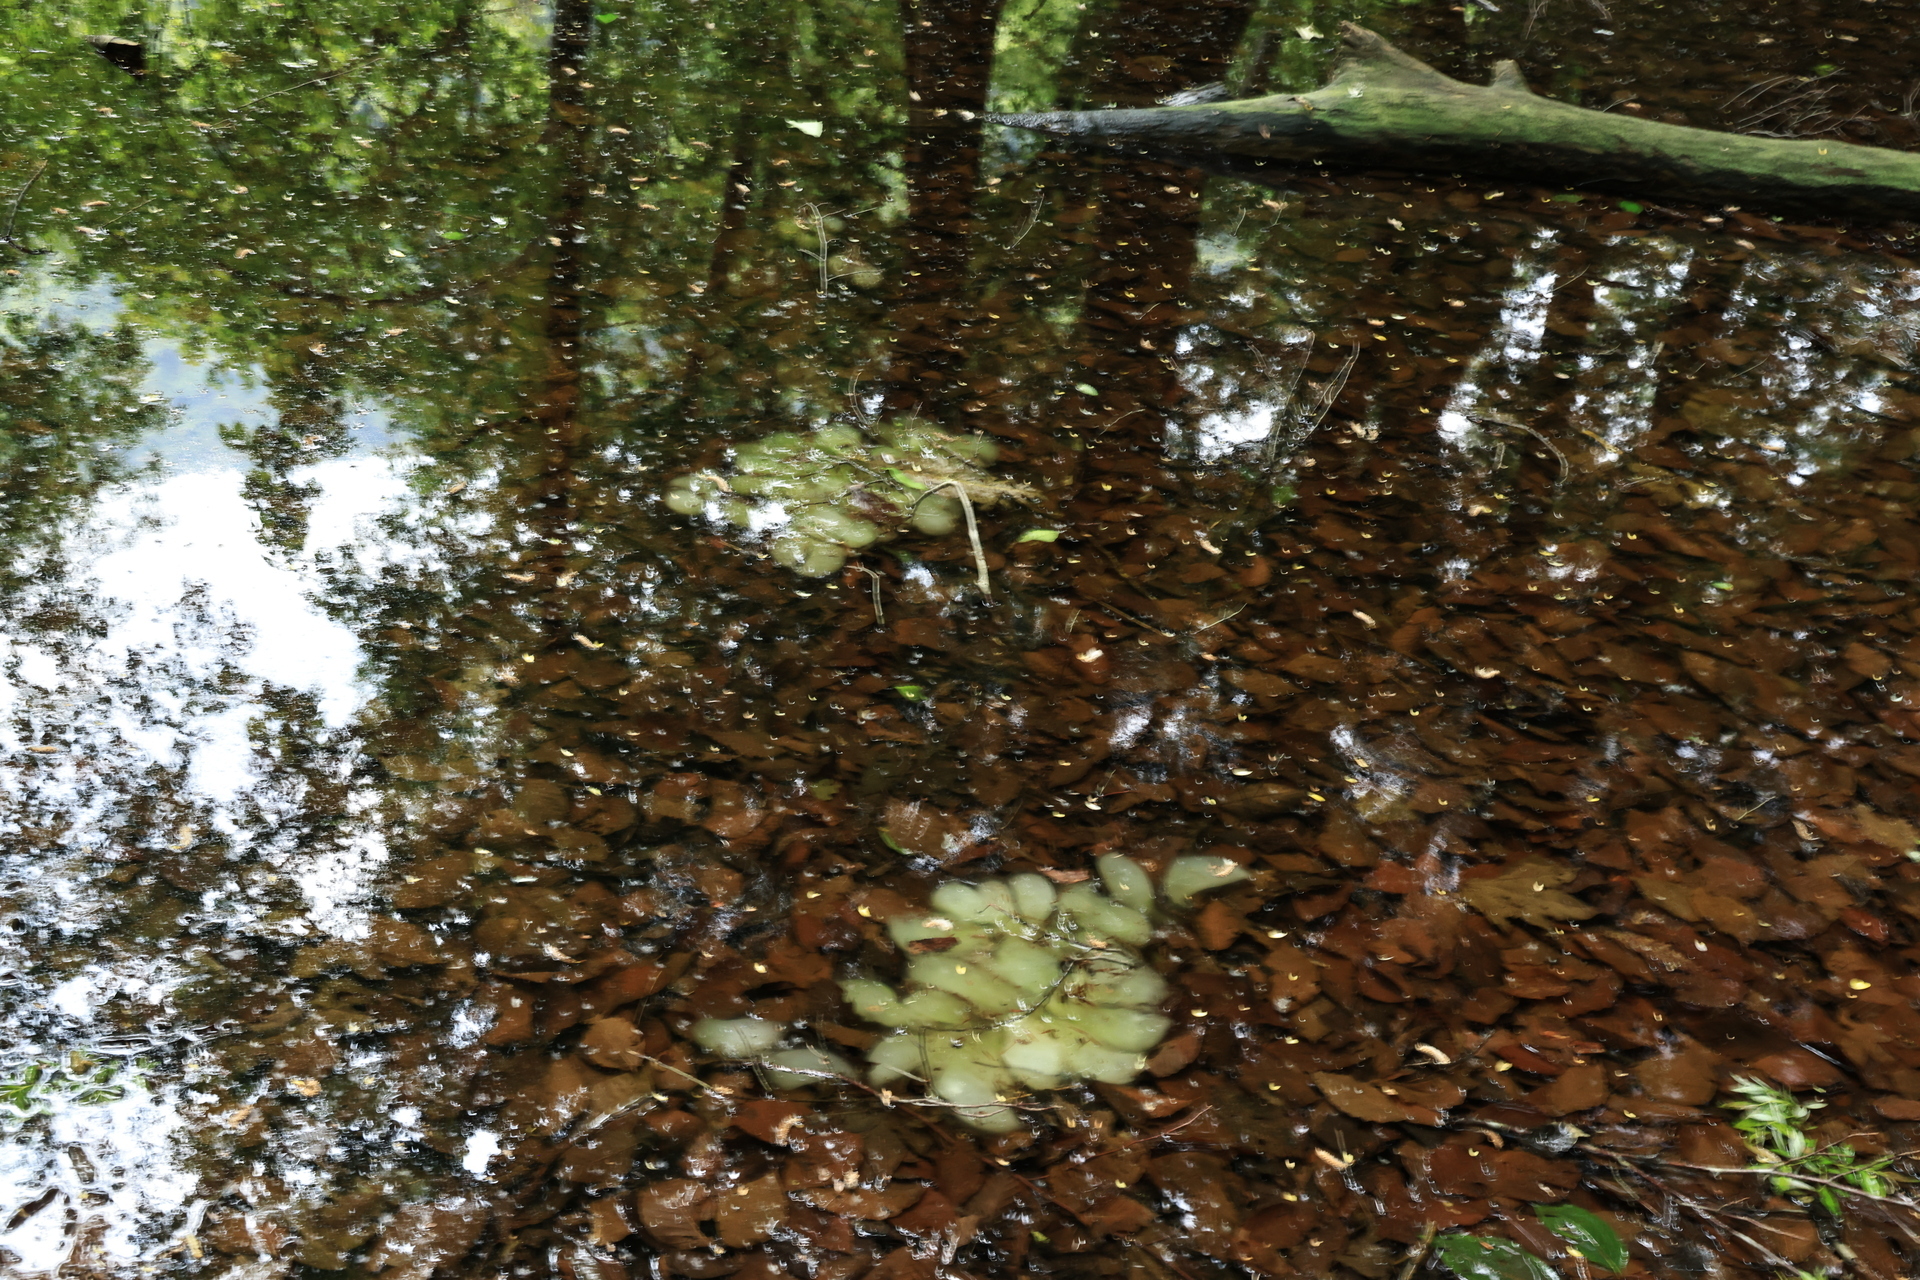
[
  {"x": 1039, "y": 535},
  {"x": 1586, "y": 1231},
  {"x": 1489, "y": 1258}
]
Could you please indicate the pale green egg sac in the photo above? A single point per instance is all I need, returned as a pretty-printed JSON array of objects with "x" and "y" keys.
[
  {"x": 842, "y": 492},
  {"x": 1012, "y": 988}
]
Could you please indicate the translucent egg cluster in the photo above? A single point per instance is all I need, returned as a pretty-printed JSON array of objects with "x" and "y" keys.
[
  {"x": 829, "y": 493},
  {"x": 1014, "y": 986}
]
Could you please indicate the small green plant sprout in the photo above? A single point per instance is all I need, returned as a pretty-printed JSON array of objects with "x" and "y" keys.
[
  {"x": 1586, "y": 1233},
  {"x": 1774, "y": 1123},
  {"x": 75, "y": 1076}
]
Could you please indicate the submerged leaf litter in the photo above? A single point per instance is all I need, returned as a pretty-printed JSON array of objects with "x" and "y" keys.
[{"x": 1431, "y": 776}]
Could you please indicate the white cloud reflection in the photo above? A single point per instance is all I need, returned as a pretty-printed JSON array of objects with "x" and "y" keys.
[{"x": 177, "y": 618}]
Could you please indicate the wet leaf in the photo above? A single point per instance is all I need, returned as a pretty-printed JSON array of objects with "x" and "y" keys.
[
  {"x": 1472, "y": 1166},
  {"x": 1489, "y": 1258},
  {"x": 1578, "y": 1088},
  {"x": 614, "y": 1044},
  {"x": 1687, "y": 1075},
  {"x": 1039, "y": 535},
  {"x": 610, "y": 1225},
  {"x": 1317, "y": 667},
  {"x": 672, "y": 1209},
  {"x": 879, "y": 1205},
  {"x": 1368, "y": 1102},
  {"x": 1586, "y": 1231},
  {"x": 1528, "y": 891},
  {"x": 812, "y": 128},
  {"x": 426, "y": 1235},
  {"x": 918, "y": 828},
  {"x": 749, "y": 1212}
]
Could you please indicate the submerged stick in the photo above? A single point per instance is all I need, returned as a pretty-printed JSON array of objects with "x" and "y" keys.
[
  {"x": 13, "y": 210},
  {"x": 1385, "y": 109},
  {"x": 973, "y": 532}
]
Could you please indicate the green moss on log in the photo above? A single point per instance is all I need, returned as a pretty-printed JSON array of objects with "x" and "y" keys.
[{"x": 1385, "y": 109}]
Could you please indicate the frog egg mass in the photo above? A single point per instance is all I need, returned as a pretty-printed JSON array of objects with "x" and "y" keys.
[
  {"x": 1011, "y": 987},
  {"x": 840, "y": 492}
]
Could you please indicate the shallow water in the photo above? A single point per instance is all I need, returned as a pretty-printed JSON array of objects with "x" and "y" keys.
[{"x": 1517, "y": 582}]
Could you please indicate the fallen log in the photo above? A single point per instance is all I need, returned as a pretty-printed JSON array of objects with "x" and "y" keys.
[{"x": 1383, "y": 109}]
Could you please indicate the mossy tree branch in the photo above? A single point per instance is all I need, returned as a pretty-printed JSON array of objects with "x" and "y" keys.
[{"x": 1385, "y": 109}]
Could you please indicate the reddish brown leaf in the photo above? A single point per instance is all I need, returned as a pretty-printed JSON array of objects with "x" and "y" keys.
[
  {"x": 1579, "y": 1088},
  {"x": 1473, "y": 1166},
  {"x": 932, "y": 1215},
  {"x": 767, "y": 1119},
  {"x": 927, "y": 831},
  {"x": 1217, "y": 925},
  {"x": 1117, "y": 1215},
  {"x": 1175, "y": 1054},
  {"x": 1688, "y": 1076},
  {"x": 1367, "y": 1102},
  {"x": 672, "y": 1209},
  {"x": 613, "y": 1043},
  {"x": 1316, "y": 667},
  {"x": 895, "y": 1197},
  {"x": 1797, "y": 1069},
  {"x": 749, "y": 1212}
]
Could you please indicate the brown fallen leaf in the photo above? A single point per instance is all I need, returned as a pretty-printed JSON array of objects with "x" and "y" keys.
[
  {"x": 1317, "y": 667},
  {"x": 615, "y": 1044},
  {"x": 1528, "y": 891},
  {"x": 1687, "y": 1075},
  {"x": 610, "y": 1225},
  {"x": 749, "y": 1212},
  {"x": 919, "y": 828},
  {"x": 1472, "y": 1166},
  {"x": 1368, "y": 1102},
  {"x": 1894, "y": 833},
  {"x": 427, "y": 1234},
  {"x": 1576, "y": 1089},
  {"x": 1657, "y": 954},
  {"x": 672, "y": 1210},
  {"x": 895, "y": 1198}
]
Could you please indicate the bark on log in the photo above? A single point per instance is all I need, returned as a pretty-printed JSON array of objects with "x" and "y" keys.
[{"x": 1383, "y": 109}]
